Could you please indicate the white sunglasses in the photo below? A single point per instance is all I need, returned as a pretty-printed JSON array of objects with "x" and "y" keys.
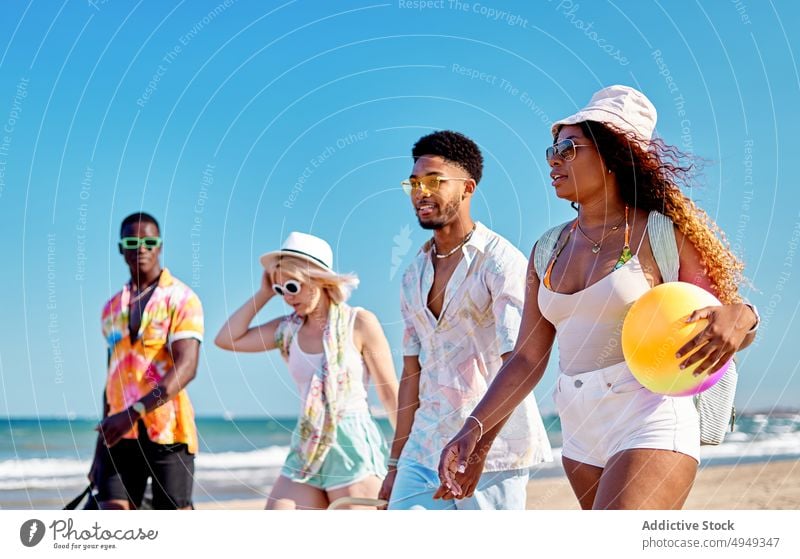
[{"x": 291, "y": 287}]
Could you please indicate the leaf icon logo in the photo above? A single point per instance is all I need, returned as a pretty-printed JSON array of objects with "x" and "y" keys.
[
  {"x": 402, "y": 244},
  {"x": 31, "y": 532}
]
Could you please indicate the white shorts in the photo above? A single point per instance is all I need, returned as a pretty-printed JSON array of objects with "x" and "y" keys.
[{"x": 606, "y": 411}]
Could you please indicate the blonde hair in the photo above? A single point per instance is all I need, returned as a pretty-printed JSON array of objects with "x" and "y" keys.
[{"x": 337, "y": 287}]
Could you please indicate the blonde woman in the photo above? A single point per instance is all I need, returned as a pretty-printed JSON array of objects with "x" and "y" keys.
[{"x": 331, "y": 350}]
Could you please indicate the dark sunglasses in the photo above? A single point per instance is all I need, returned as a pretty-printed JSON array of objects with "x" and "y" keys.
[
  {"x": 291, "y": 287},
  {"x": 565, "y": 149},
  {"x": 133, "y": 243}
]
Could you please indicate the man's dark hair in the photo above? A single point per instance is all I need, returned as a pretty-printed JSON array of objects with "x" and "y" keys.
[
  {"x": 136, "y": 218},
  {"x": 455, "y": 148}
]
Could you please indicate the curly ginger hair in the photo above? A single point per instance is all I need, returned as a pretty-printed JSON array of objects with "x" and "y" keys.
[{"x": 649, "y": 175}]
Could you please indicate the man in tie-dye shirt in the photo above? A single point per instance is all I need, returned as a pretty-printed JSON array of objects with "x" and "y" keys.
[
  {"x": 461, "y": 301},
  {"x": 153, "y": 328}
]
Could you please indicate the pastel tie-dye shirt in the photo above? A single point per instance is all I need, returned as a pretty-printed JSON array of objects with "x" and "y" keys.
[
  {"x": 173, "y": 313},
  {"x": 460, "y": 353}
]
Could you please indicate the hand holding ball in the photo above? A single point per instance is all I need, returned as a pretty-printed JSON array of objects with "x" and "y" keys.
[{"x": 656, "y": 328}]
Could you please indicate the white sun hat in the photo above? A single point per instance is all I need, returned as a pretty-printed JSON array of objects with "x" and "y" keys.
[
  {"x": 304, "y": 246},
  {"x": 621, "y": 106}
]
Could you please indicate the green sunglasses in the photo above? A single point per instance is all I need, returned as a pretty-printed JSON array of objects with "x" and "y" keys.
[{"x": 133, "y": 243}]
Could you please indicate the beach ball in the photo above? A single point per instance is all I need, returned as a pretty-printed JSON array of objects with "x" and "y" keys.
[{"x": 655, "y": 328}]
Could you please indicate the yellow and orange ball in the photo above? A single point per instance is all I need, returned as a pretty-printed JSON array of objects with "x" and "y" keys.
[{"x": 655, "y": 328}]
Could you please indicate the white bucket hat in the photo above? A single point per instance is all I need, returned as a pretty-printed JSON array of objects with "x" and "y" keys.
[
  {"x": 304, "y": 246},
  {"x": 619, "y": 105}
]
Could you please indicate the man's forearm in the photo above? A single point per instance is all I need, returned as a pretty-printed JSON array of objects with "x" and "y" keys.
[
  {"x": 184, "y": 368},
  {"x": 405, "y": 421},
  {"x": 169, "y": 387},
  {"x": 407, "y": 405}
]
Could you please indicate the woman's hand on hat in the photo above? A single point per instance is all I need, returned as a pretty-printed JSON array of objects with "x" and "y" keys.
[
  {"x": 265, "y": 291},
  {"x": 727, "y": 328}
]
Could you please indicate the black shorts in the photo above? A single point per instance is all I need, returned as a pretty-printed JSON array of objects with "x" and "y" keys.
[{"x": 126, "y": 467}]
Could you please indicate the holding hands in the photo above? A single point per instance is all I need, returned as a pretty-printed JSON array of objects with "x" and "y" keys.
[{"x": 461, "y": 463}]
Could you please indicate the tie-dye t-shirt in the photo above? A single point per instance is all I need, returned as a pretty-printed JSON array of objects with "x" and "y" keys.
[
  {"x": 173, "y": 313},
  {"x": 460, "y": 352}
]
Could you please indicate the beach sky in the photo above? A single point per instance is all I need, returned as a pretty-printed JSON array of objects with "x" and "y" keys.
[{"x": 236, "y": 122}]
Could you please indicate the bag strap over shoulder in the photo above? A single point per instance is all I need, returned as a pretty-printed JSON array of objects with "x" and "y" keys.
[
  {"x": 545, "y": 247},
  {"x": 663, "y": 245}
]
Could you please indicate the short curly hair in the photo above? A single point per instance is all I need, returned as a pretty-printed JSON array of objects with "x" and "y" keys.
[
  {"x": 138, "y": 217},
  {"x": 454, "y": 147}
]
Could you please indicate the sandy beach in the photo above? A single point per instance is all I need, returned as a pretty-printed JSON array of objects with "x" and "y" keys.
[{"x": 774, "y": 485}]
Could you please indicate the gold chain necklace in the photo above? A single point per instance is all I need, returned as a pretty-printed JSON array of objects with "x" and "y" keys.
[
  {"x": 452, "y": 252},
  {"x": 597, "y": 244}
]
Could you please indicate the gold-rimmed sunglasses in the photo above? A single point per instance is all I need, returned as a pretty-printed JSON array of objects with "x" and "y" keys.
[
  {"x": 565, "y": 149},
  {"x": 428, "y": 183}
]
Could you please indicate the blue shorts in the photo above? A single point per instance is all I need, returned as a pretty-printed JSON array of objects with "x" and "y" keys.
[
  {"x": 415, "y": 485},
  {"x": 359, "y": 452}
]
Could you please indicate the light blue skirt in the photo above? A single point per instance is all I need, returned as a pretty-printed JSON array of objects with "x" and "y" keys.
[{"x": 359, "y": 452}]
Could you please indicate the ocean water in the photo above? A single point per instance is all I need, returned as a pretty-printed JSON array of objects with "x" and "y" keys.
[{"x": 44, "y": 462}]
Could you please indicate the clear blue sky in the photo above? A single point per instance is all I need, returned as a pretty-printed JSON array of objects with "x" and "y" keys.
[{"x": 236, "y": 122}]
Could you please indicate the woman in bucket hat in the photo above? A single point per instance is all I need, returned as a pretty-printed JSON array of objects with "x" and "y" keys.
[
  {"x": 331, "y": 350},
  {"x": 624, "y": 446}
]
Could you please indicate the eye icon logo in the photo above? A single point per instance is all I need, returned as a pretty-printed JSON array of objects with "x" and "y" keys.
[{"x": 31, "y": 532}]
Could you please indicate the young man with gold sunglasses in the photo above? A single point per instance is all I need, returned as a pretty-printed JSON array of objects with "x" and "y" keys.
[{"x": 461, "y": 301}]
